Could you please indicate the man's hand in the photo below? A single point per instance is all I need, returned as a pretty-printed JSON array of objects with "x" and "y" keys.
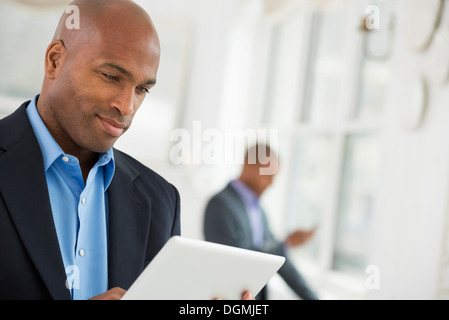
[
  {"x": 117, "y": 293},
  {"x": 299, "y": 237},
  {"x": 248, "y": 296},
  {"x": 112, "y": 294},
  {"x": 245, "y": 296}
]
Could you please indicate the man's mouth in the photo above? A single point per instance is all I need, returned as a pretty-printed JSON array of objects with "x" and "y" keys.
[{"x": 112, "y": 127}]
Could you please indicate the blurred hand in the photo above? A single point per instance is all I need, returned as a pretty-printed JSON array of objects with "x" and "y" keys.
[
  {"x": 117, "y": 293},
  {"x": 112, "y": 294},
  {"x": 299, "y": 237},
  {"x": 248, "y": 296},
  {"x": 245, "y": 296}
]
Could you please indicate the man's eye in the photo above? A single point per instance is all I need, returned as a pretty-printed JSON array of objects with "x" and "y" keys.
[
  {"x": 110, "y": 76},
  {"x": 143, "y": 90}
]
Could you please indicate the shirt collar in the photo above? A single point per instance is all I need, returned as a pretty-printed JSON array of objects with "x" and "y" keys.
[
  {"x": 247, "y": 194},
  {"x": 49, "y": 147},
  {"x": 106, "y": 159},
  {"x": 51, "y": 150}
]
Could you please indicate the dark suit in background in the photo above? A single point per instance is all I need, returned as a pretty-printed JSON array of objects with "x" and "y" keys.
[
  {"x": 143, "y": 215},
  {"x": 226, "y": 221}
]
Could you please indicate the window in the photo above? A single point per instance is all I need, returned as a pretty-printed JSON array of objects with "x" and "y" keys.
[
  {"x": 357, "y": 197},
  {"x": 326, "y": 60},
  {"x": 340, "y": 77},
  {"x": 25, "y": 32},
  {"x": 283, "y": 70},
  {"x": 309, "y": 188}
]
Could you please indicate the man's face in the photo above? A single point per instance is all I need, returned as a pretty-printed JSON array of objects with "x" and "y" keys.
[
  {"x": 100, "y": 87},
  {"x": 260, "y": 182}
]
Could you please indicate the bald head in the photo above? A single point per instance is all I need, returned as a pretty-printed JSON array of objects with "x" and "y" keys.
[
  {"x": 110, "y": 17},
  {"x": 98, "y": 74}
]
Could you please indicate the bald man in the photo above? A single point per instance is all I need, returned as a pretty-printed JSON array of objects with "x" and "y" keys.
[{"x": 78, "y": 218}]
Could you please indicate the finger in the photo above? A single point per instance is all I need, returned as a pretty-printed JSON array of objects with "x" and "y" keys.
[
  {"x": 248, "y": 296},
  {"x": 112, "y": 294}
]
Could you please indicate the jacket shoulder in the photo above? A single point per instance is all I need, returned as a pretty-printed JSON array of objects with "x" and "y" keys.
[
  {"x": 227, "y": 194},
  {"x": 165, "y": 197},
  {"x": 145, "y": 177},
  {"x": 139, "y": 167},
  {"x": 13, "y": 127},
  {"x": 226, "y": 200}
]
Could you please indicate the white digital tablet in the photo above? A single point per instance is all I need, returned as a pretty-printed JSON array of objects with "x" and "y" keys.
[{"x": 188, "y": 269}]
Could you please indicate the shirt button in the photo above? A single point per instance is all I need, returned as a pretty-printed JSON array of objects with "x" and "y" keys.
[
  {"x": 65, "y": 159},
  {"x": 83, "y": 200},
  {"x": 81, "y": 253}
]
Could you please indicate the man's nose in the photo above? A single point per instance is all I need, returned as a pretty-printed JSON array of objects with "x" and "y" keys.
[{"x": 124, "y": 102}]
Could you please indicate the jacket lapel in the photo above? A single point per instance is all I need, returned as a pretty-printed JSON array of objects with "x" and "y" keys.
[
  {"x": 129, "y": 225},
  {"x": 23, "y": 188}
]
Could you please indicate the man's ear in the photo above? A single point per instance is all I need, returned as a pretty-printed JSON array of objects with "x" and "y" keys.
[{"x": 53, "y": 58}]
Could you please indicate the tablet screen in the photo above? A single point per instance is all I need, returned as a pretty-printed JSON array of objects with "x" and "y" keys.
[{"x": 189, "y": 269}]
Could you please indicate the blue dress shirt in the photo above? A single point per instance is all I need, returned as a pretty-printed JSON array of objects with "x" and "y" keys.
[
  {"x": 80, "y": 211},
  {"x": 251, "y": 201}
]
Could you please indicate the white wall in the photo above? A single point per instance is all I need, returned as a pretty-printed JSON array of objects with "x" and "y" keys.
[{"x": 412, "y": 204}]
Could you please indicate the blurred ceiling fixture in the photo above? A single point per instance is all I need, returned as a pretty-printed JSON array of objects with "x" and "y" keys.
[{"x": 43, "y": 3}]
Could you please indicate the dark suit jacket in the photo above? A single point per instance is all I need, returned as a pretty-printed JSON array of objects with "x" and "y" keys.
[
  {"x": 226, "y": 221},
  {"x": 144, "y": 213}
]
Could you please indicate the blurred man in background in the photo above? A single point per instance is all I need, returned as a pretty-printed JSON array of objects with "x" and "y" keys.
[{"x": 234, "y": 217}]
